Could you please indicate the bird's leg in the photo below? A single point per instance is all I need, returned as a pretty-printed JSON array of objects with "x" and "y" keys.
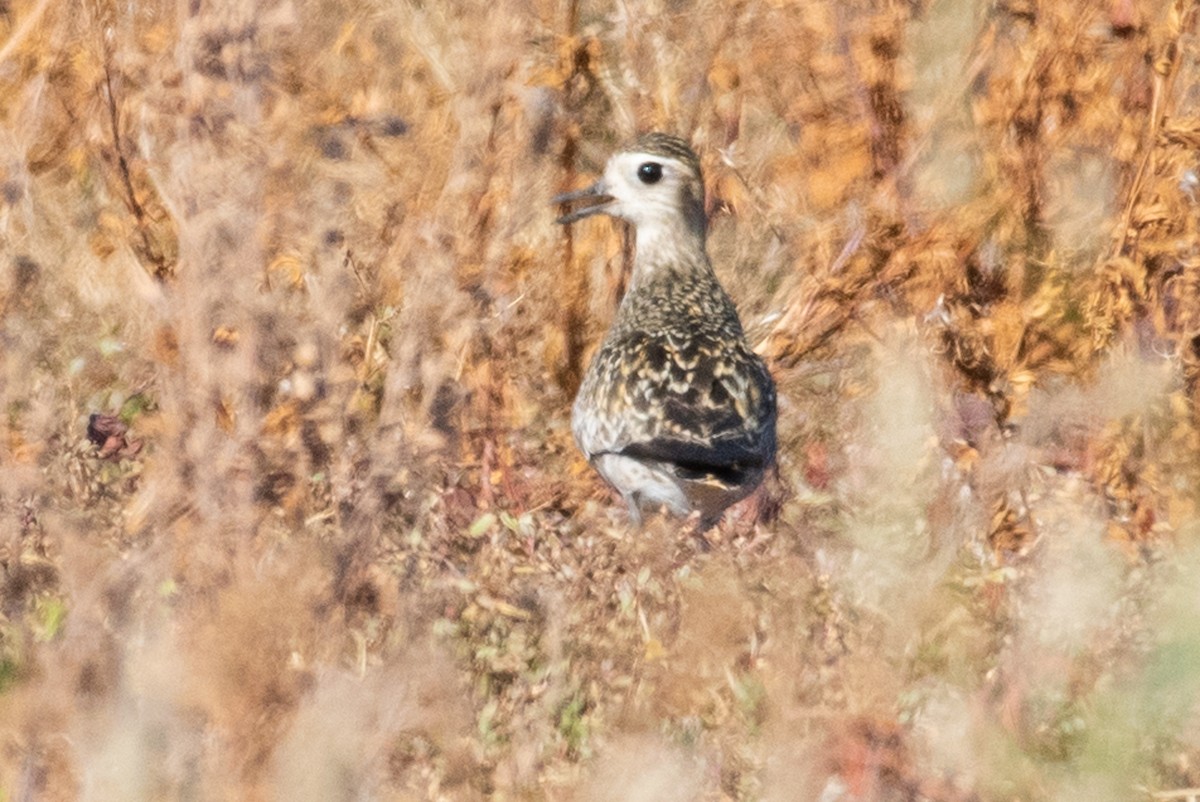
[{"x": 635, "y": 510}]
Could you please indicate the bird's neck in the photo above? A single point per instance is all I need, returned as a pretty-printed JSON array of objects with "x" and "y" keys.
[{"x": 668, "y": 250}]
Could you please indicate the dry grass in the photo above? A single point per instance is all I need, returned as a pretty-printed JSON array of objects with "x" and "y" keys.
[{"x": 346, "y": 548}]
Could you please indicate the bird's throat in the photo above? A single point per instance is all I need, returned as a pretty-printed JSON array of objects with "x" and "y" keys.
[{"x": 664, "y": 250}]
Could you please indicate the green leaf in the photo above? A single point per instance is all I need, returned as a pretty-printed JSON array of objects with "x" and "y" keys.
[
  {"x": 482, "y": 525},
  {"x": 49, "y": 613}
]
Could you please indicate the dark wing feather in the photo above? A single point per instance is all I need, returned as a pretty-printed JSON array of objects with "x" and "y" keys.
[{"x": 725, "y": 460}]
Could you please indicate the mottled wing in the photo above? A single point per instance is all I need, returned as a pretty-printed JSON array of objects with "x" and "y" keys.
[{"x": 704, "y": 405}]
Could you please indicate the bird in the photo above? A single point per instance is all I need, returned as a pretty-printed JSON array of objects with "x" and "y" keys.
[{"x": 675, "y": 411}]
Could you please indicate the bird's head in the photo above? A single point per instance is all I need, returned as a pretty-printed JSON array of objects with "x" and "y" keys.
[{"x": 654, "y": 182}]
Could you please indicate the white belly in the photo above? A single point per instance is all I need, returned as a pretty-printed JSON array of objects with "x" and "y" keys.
[{"x": 643, "y": 486}]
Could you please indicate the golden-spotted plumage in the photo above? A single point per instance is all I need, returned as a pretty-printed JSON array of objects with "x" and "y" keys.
[{"x": 675, "y": 410}]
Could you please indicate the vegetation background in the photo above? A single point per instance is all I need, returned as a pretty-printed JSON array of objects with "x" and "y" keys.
[{"x": 329, "y": 537}]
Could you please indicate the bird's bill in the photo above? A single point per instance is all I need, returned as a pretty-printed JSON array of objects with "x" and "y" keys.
[{"x": 596, "y": 199}]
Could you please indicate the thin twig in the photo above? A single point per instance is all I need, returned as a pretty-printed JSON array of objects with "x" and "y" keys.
[{"x": 161, "y": 268}]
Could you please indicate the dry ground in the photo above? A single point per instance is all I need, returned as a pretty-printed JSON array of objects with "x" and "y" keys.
[{"x": 346, "y": 548}]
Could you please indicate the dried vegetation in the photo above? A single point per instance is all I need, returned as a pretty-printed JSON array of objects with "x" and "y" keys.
[{"x": 288, "y": 503}]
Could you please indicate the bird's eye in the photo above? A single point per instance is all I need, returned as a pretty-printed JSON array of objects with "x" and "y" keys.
[{"x": 650, "y": 172}]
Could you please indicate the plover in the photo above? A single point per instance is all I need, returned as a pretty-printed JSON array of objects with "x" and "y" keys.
[{"x": 675, "y": 411}]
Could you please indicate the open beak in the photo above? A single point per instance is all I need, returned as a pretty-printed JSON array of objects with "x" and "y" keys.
[{"x": 595, "y": 199}]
